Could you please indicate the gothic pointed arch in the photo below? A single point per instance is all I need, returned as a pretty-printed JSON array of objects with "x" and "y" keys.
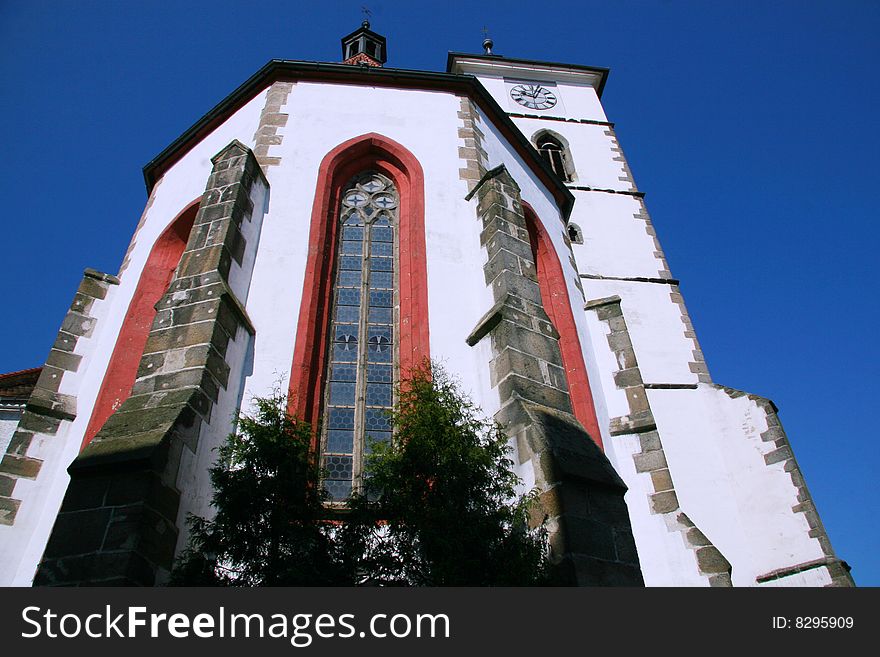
[
  {"x": 341, "y": 171},
  {"x": 554, "y": 148},
  {"x": 557, "y": 305},
  {"x": 154, "y": 281}
]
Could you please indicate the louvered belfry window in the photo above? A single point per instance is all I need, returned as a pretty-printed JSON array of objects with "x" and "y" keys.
[{"x": 361, "y": 363}]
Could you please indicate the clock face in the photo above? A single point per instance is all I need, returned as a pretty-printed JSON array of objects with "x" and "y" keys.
[{"x": 533, "y": 96}]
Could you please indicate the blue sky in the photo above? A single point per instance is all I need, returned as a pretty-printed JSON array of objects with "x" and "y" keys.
[{"x": 751, "y": 126}]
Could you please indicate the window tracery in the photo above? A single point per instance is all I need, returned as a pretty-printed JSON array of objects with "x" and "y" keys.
[{"x": 361, "y": 363}]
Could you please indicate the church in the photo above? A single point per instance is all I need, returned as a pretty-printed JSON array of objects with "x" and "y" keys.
[{"x": 335, "y": 225}]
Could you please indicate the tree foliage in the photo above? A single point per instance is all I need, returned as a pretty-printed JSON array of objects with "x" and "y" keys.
[
  {"x": 440, "y": 506},
  {"x": 271, "y": 526}
]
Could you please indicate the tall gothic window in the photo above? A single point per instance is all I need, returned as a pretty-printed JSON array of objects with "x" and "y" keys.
[
  {"x": 553, "y": 151},
  {"x": 361, "y": 360}
]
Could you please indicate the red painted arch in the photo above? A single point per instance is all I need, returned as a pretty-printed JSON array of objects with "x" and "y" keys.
[
  {"x": 369, "y": 151},
  {"x": 557, "y": 304},
  {"x": 154, "y": 281}
]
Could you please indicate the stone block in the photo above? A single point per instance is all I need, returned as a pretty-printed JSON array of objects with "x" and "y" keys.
[
  {"x": 82, "y": 303},
  {"x": 77, "y": 532},
  {"x": 638, "y": 400},
  {"x": 650, "y": 461},
  {"x": 84, "y": 494},
  {"x": 184, "y": 336},
  {"x": 696, "y": 538},
  {"x": 52, "y": 404},
  {"x": 7, "y": 485},
  {"x": 665, "y": 502},
  {"x": 649, "y": 441},
  {"x": 20, "y": 443},
  {"x": 606, "y": 505},
  {"x": 144, "y": 487},
  {"x": 93, "y": 288},
  {"x": 8, "y": 510},
  {"x": 661, "y": 480},
  {"x": 77, "y": 324},
  {"x": 555, "y": 376},
  {"x": 65, "y": 341},
  {"x": 589, "y": 537},
  {"x": 507, "y": 334},
  {"x": 777, "y": 455},
  {"x": 503, "y": 241},
  {"x": 625, "y": 545},
  {"x": 512, "y": 361},
  {"x": 602, "y": 572},
  {"x": 64, "y": 360},
  {"x": 619, "y": 342},
  {"x": 710, "y": 560},
  {"x": 534, "y": 391},
  {"x": 37, "y": 423},
  {"x": 502, "y": 261},
  {"x": 628, "y": 378}
]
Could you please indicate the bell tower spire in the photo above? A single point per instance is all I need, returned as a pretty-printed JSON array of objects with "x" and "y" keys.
[{"x": 364, "y": 47}]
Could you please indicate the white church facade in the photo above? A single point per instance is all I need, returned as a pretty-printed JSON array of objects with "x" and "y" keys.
[{"x": 333, "y": 225}]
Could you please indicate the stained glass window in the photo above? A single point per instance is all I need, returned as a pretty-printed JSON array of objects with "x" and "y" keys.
[{"x": 361, "y": 367}]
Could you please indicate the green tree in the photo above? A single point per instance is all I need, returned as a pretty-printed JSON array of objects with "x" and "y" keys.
[
  {"x": 271, "y": 526},
  {"x": 440, "y": 506}
]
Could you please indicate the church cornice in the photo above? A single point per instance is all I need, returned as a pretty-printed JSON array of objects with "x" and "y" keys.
[
  {"x": 279, "y": 70},
  {"x": 499, "y": 65}
]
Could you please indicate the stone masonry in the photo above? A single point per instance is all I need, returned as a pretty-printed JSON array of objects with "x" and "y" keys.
[
  {"x": 651, "y": 460},
  {"x": 581, "y": 495},
  {"x": 47, "y": 408},
  {"x": 271, "y": 119},
  {"x": 782, "y": 453},
  {"x": 117, "y": 524}
]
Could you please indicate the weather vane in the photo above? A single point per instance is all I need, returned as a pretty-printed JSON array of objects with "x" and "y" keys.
[
  {"x": 367, "y": 13},
  {"x": 487, "y": 42}
]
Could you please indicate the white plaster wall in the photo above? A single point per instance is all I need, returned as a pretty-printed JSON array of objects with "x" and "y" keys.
[
  {"x": 655, "y": 328},
  {"x": 22, "y": 544},
  {"x": 322, "y": 116},
  {"x": 610, "y": 401},
  {"x": 193, "y": 481},
  {"x": 615, "y": 241},
  {"x": 663, "y": 556},
  {"x": 590, "y": 150},
  {"x": 716, "y": 457},
  {"x": 8, "y": 422},
  {"x": 576, "y": 100}
]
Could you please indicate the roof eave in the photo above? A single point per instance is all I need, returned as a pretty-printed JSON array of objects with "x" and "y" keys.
[
  {"x": 280, "y": 69},
  {"x": 601, "y": 71}
]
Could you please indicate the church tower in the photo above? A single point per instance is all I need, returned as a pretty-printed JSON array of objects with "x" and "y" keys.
[{"x": 339, "y": 223}]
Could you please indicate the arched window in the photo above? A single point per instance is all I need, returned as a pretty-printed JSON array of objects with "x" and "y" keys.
[
  {"x": 369, "y": 195},
  {"x": 552, "y": 150},
  {"x": 359, "y": 389},
  {"x": 154, "y": 281},
  {"x": 575, "y": 234}
]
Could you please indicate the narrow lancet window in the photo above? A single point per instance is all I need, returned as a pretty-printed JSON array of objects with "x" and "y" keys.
[{"x": 361, "y": 363}]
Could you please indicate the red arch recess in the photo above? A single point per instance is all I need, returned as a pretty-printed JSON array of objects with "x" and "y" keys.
[
  {"x": 154, "y": 281},
  {"x": 337, "y": 168},
  {"x": 557, "y": 303}
]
